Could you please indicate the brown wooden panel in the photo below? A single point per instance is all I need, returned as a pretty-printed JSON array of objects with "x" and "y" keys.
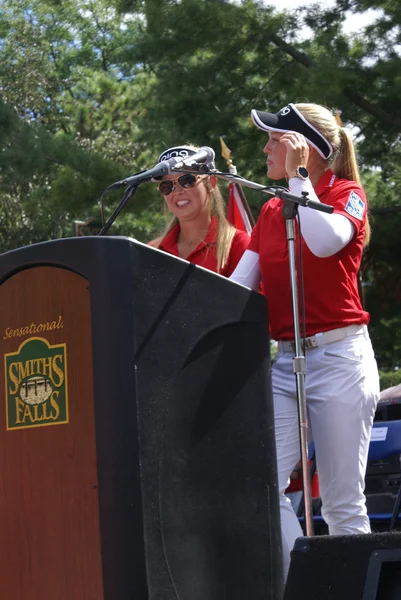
[{"x": 49, "y": 517}]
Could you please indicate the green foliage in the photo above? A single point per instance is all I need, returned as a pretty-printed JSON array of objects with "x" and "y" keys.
[
  {"x": 389, "y": 378},
  {"x": 93, "y": 91},
  {"x": 381, "y": 268}
]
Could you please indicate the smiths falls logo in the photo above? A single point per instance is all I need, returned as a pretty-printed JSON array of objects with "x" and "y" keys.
[{"x": 36, "y": 385}]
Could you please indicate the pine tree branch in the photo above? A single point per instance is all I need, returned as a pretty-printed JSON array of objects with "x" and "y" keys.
[
  {"x": 351, "y": 94},
  {"x": 372, "y": 109},
  {"x": 297, "y": 55}
]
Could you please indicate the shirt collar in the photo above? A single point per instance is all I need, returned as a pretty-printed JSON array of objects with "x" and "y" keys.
[
  {"x": 169, "y": 243},
  {"x": 326, "y": 181}
]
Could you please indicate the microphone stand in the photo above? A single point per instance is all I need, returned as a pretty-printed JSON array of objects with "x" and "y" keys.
[
  {"x": 131, "y": 185},
  {"x": 129, "y": 192},
  {"x": 290, "y": 211}
]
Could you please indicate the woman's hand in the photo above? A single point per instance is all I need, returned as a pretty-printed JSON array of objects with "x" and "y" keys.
[{"x": 297, "y": 152}]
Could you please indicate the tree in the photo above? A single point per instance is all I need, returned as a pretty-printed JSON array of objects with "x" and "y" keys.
[
  {"x": 93, "y": 91},
  {"x": 68, "y": 115}
]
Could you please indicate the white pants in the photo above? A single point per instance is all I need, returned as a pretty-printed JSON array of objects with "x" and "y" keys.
[{"x": 342, "y": 389}]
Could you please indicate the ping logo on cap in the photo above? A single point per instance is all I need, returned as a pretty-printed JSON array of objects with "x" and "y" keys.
[{"x": 177, "y": 152}]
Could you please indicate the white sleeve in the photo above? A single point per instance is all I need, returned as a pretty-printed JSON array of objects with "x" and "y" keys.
[
  {"x": 324, "y": 234},
  {"x": 247, "y": 271}
]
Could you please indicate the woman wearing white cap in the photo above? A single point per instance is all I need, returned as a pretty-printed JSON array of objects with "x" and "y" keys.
[
  {"x": 197, "y": 229},
  {"x": 316, "y": 155}
]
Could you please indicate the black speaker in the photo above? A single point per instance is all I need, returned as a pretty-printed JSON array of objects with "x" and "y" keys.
[
  {"x": 354, "y": 567},
  {"x": 388, "y": 410},
  {"x": 382, "y": 482}
]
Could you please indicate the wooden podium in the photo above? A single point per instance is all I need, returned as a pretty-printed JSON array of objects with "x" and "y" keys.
[{"x": 136, "y": 431}]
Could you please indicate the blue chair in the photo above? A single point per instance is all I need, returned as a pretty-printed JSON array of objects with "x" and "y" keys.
[{"x": 385, "y": 442}]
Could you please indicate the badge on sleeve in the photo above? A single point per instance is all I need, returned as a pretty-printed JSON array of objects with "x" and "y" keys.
[{"x": 355, "y": 206}]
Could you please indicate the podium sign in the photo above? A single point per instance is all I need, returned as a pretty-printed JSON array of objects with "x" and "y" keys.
[{"x": 48, "y": 491}]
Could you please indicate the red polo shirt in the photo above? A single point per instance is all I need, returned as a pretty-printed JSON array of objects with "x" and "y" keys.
[
  {"x": 204, "y": 254},
  {"x": 331, "y": 286}
]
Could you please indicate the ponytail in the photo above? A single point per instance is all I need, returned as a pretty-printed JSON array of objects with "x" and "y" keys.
[
  {"x": 344, "y": 164},
  {"x": 346, "y": 167}
]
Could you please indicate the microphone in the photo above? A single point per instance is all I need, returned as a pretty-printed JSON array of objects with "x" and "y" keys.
[
  {"x": 204, "y": 155},
  {"x": 162, "y": 168}
]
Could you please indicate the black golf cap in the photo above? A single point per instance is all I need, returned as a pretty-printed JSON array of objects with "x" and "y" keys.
[{"x": 290, "y": 119}]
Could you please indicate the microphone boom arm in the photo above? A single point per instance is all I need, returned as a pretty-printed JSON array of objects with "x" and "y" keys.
[
  {"x": 277, "y": 192},
  {"x": 131, "y": 183}
]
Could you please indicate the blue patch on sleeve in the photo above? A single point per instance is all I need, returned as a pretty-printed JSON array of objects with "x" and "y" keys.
[{"x": 355, "y": 206}]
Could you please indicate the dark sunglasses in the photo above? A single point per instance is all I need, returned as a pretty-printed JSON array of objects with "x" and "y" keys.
[{"x": 187, "y": 180}]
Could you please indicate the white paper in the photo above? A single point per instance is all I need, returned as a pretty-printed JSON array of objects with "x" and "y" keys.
[{"x": 379, "y": 434}]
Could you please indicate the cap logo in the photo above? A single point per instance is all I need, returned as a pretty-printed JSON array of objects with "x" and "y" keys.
[
  {"x": 175, "y": 153},
  {"x": 285, "y": 111},
  {"x": 181, "y": 153}
]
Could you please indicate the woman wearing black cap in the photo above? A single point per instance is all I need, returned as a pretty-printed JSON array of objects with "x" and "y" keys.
[
  {"x": 198, "y": 230},
  {"x": 316, "y": 155}
]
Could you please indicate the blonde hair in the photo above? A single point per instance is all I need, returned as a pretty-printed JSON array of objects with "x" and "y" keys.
[
  {"x": 225, "y": 231},
  {"x": 343, "y": 163}
]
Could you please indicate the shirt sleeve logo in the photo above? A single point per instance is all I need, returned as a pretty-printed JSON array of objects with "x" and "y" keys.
[{"x": 355, "y": 206}]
